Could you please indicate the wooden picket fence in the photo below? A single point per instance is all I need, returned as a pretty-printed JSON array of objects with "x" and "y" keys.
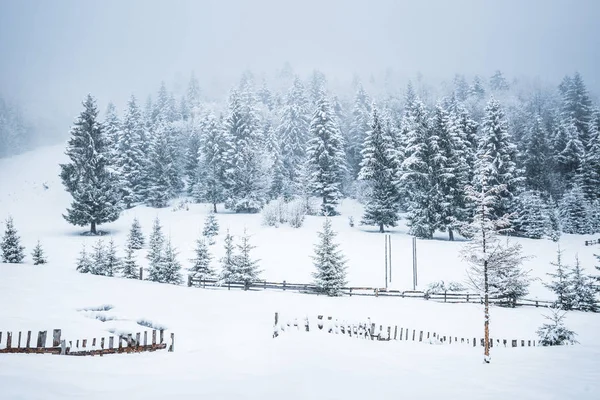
[
  {"x": 445, "y": 297},
  {"x": 592, "y": 242},
  {"x": 125, "y": 344},
  {"x": 372, "y": 331}
]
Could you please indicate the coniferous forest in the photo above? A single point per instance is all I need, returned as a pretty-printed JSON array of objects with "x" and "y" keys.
[{"x": 410, "y": 151}]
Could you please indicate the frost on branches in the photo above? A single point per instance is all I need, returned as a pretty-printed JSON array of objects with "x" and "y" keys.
[
  {"x": 136, "y": 237},
  {"x": 211, "y": 228},
  {"x": 201, "y": 268},
  {"x": 555, "y": 333},
  {"x": 330, "y": 276}
]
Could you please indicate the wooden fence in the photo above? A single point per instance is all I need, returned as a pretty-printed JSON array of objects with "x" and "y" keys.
[
  {"x": 592, "y": 242},
  {"x": 124, "y": 344},
  {"x": 446, "y": 297},
  {"x": 372, "y": 331}
]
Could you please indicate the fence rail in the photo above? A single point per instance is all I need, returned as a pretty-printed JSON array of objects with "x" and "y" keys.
[
  {"x": 446, "y": 297},
  {"x": 592, "y": 242},
  {"x": 125, "y": 344},
  {"x": 373, "y": 331}
]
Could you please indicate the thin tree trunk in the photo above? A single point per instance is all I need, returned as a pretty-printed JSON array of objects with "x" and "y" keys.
[
  {"x": 486, "y": 321},
  {"x": 215, "y": 207},
  {"x": 93, "y": 228},
  {"x": 381, "y": 228},
  {"x": 451, "y": 234}
]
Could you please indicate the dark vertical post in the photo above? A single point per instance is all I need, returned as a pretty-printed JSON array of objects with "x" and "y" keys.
[
  {"x": 141, "y": 273},
  {"x": 172, "y": 347},
  {"x": 19, "y": 340},
  {"x": 390, "y": 251},
  {"x": 162, "y": 336},
  {"x": 102, "y": 343},
  {"x": 56, "y": 337},
  {"x": 111, "y": 342},
  {"x": 386, "y": 261},
  {"x": 28, "y": 343}
]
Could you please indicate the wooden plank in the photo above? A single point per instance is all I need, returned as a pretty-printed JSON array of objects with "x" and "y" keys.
[
  {"x": 145, "y": 338},
  {"x": 154, "y": 337},
  {"x": 420, "y": 336},
  {"x": 172, "y": 347},
  {"x": 19, "y": 340},
  {"x": 395, "y": 332},
  {"x": 102, "y": 343},
  {"x": 111, "y": 342},
  {"x": 8, "y": 340},
  {"x": 84, "y": 343},
  {"x": 40, "y": 342},
  {"x": 28, "y": 343},
  {"x": 94, "y": 342},
  {"x": 137, "y": 339},
  {"x": 413, "y": 335},
  {"x": 63, "y": 347},
  {"x": 522, "y": 343},
  {"x": 56, "y": 337},
  {"x": 406, "y": 338},
  {"x": 162, "y": 336},
  {"x": 514, "y": 343}
]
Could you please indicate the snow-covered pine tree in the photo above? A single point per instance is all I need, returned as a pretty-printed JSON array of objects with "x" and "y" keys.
[
  {"x": 213, "y": 158},
  {"x": 112, "y": 132},
  {"x": 379, "y": 167},
  {"x": 169, "y": 270},
  {"x": 112, "y": 262},
  {"x": 229, "y": 271},
  {"x": 136, "y": 237},
  {"x": 99, "y": 258},
  {"x": 132, "y": 158},
  {"x": 161, "y": 188},
  {"x": 84, "y": 262},
  {"x": 576, "y": 105},
  {"x": 590, "y": 168},
  {"x": 247, "y": 268},
  {"x": 325, "y": 156},
  {"x": 131, "y": 269},
  {"x": 246, "y": 173},
  {"x": 95, "y": 189},
  {"x": 201, "y": 268},
  {"x": 560, "y": 284},
  {"x": 491, "y": 259},
  {"x": 555, "y": 333},
  {"x": 293, "y": 132},
  {"x": 418, "y": 174},
  {"x": 477, "y": 90},
  {"x": 211, "y": 228},
  {"x": 461, "y": 87},
  {"x": 38, "y": 255},
  {"x": 537, "y": 157},
  {"x": 192, "y": 161},
  {"x": 193, "y": 94},
  {"x": 496, "y": 158},
  {"x": 583, "y": 290},
  {"x": 574, "y": 212},
  {"x": 12, "y": 251},
  {"x": 156, "y": 246},
  {"x": 498, "y": 82},
  {"x": 329, "y": 262},
  {"x": 532, "y": 216},
  {"x": 570, "y": 157},
  {"x": 359, "y": 128}
]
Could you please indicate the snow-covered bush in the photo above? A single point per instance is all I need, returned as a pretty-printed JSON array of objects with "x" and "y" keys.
[
  {"x": 270, "y": 214},
  {"x": 555, "y": 333},
  {"x": 296, "y": 212},
  {"x": 441, "y": 287}
]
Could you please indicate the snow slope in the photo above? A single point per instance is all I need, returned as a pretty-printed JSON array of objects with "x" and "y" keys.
[{"x": 224, "y": 344}]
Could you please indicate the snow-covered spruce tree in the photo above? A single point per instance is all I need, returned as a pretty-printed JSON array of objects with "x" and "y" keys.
[
  {"x": 537, "y": 157},
  {"x": 359, "y": 127},
  {"x": 84, "y": 262},
  {"x": 329, "y": 262},
  {"x": 491, "y": 259},
  {"x": 192, "y": 159},
  {"x": 247, "y": 268},
  {"x": 532, "y": 216},
  {"x": 496, "y": 158},
  {"x": 583, "y": 290},
  {"x": 12, "y": 251},
  {"x": 211, "y": 228},
  {"x": 229, "y": 271},
  {"x": 246, "y": 172},
  {"x": 213, "y": 158},
  {"x": 590, "y": 168},
  {"x": 555, "y": 333},
  {"x": 477, "y": 90},
  {"x": 132, "y": 159},
  {"x": 95, "y": 189},
  {"x": 576, "y": 104},
  {"x": 498, "y": 82},
  {"x": 155, "y": 252},
  {"x": 136, "y": 237},
  {"x": 38, "y": 255},
  {"x": 560, "y": 284},
  {"x": 112, "y": 262},
  {"x": 379, "y": 167},
  {"x": 419, "y": 172},
  {"x": 293, "y": 132},
  {"x": 325, "y": 156},
  {"x": 130, "y": 269},
  {"x": 169, "y": 269},
  {"x": 201, "y": 268},
  {"x": 574, "y": 212},
  {"x": 112, "y": 127},
  {"x": 99, "y": 258},
  {"x": 161, "y": 188},
  {"x": 569, "y": 158}
]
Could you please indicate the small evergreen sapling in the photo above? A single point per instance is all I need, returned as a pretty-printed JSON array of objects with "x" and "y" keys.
[
  {"x": 201, "y": 262},
  {"x": 38, "y": 255},
  {"x": 555, "y": 333},
  {"x": 583, "y": 290},
  {"x": 130, "y": 268},
  {"x": 247, "y": 267},
  {"x": 156, "y": 243},
  {"x": 170, "y": 268},
  {"x": 99, "y": 258},
  {"x": 136, "y": 237},
  {"x": 84, "y": 262},
  {"x": 229, "y": 272},
  {"x": 12, "y": 251},
  {"x": 211, "y": 228},
  {"x": 329, "y": 262},
  {"x": 112, "y": 262},
  {"x": 560, "y": 284}
]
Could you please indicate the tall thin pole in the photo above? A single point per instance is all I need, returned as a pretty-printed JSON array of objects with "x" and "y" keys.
[
  {"x": 414, "y": 254},
  {"x": 386, "y": 262},
  {"x": 390, "y": 250}
]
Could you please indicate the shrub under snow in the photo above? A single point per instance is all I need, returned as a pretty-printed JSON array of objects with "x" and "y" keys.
[{"x": 278, "y": 212}]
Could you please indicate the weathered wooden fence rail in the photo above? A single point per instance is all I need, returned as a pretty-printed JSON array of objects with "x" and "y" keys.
[
  {"x": 592, "y": 242},
  {"x": 124, "y": 344},
  {"x": 373, "y": 331},
  {"x": 446, "y": 297}
]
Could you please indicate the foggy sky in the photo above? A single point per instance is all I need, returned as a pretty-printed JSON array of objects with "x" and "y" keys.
[{"x": 52, "y": 53}]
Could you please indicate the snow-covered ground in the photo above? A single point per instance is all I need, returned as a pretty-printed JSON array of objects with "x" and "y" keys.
[{"x": 224, "y": 346}]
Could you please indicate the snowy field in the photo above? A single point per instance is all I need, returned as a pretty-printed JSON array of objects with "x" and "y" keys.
[{"x": 224, "y": 346}]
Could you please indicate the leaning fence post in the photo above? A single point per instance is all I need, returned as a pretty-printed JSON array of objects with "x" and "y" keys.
[{"x": 172, "y": 347}]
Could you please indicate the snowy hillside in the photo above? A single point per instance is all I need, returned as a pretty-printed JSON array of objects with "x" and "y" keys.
[{"x": 224, "y": 347}]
